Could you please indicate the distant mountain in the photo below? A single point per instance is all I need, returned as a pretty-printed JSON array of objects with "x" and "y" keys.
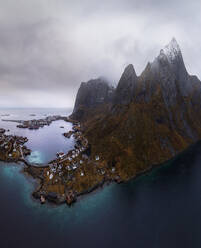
[{"x": 146, "y": 120}]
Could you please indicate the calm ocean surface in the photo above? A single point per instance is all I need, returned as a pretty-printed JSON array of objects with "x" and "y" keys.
[
  {"x": 44, "y": 142},
  {"x": 161, "y": 209}
]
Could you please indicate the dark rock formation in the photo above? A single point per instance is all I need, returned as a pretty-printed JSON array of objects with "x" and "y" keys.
[
  {"x": 159, "y": 113},
  {"x": 125, "y": 89},
  {"x": 91, "y": 95},
  {"x": 180, "y": 92}
]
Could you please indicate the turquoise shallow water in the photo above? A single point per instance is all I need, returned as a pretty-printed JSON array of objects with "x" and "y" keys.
[
  {"x": 24, "y": 185},
  {"x": 160, "y": 209}
]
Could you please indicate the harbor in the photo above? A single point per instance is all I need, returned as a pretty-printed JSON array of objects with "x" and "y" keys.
[{"x": 70, "y": 174}]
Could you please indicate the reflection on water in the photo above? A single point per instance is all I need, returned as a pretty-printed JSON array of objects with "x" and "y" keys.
[
  {"x": 44, "y": 142},
  {"x": 47, "y": 141}
]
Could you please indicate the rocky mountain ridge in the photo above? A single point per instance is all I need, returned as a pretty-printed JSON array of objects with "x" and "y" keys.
[{"x": 147, "y": 119}]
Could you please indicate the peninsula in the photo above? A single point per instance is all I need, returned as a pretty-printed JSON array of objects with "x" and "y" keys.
[{"x": 120, "y": 132}]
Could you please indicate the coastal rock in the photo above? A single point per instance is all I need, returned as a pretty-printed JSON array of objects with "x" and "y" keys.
[
  {"x": 42, "y": 199},
  {"x": 52, "y": 196},
  {"x": 2, "y": 130},
  {"x": 70, "y": 197}
]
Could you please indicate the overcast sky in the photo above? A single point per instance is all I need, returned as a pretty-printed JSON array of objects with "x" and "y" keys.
[{"x": 48, "y": 47}]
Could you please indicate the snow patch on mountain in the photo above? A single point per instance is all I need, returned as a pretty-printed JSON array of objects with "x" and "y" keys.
[{"x": 172, "y": 50}]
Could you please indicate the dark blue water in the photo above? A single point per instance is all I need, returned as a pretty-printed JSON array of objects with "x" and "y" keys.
[{"x": 160, "y": 209}]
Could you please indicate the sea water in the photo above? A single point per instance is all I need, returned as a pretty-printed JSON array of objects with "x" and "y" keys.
[
  {"x": 44, "y": 142},
  {"x": 159, "y": 209}
]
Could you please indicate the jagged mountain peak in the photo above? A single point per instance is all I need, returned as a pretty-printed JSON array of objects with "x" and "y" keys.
[
  {"x": 170, "y": 60},
  {"x": 149, "y": 119},
  {"x": 130, "y": 68},
  {"x": 129, "y": 72},
  {"x": 125, "y": 88},
  {"x": 172, "y": 46},
  {"x": 172, "y": 50},
  {"x": 168, "y": 72}
]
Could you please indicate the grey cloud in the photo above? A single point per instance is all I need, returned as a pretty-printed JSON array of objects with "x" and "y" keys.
[{"x": 48, "y": 47}]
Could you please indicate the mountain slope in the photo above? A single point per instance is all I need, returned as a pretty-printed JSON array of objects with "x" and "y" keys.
[{"x": 150, "y": 118}]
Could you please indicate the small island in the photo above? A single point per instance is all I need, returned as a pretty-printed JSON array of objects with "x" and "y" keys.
[{"x": 38, "y": 123}]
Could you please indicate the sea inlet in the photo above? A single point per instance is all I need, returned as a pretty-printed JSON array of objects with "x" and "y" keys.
[{"x": 159, "y": 209}]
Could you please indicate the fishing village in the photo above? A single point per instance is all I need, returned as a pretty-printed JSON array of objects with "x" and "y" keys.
[
  {"x": 12, "y": 148},
  {"x": 70, "y": 175}
]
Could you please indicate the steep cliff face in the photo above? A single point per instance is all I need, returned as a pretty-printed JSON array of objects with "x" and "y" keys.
[
  {"x": 90, "y": 96},
  {"x": 159, "y": 115},
  {"x": 125, "y": 89},
  {"x": 180, "y": 93}
]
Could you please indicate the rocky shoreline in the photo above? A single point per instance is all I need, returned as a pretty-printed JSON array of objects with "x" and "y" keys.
[
  {"x": 12, "y": 147},
  {"x": 52, "y": 175},
  {"x": 67, "y": 177},
  {"x": 70, "y": 175}
]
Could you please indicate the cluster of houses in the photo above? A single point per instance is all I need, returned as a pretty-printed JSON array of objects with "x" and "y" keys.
[
  {"x": 71, "y": 161},
  {"x": 36, "y": 124},
  {"x": 59, "y": 169},
  {"x": 12, "y": 146},
  {"x": 72, "y": 165},
  {"x": 74, "y": 159}
]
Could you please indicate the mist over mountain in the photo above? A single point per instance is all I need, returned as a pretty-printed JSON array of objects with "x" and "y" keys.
[
  {"x": 48, "y": 47},
  {"x": 148, "y": 118}
]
